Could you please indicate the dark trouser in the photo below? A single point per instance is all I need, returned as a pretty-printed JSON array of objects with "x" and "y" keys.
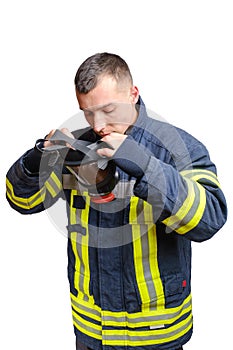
[{"x": 80, "y": 346}]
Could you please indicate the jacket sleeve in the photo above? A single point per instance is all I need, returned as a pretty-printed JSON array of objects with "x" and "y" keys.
[
  {"x": 185, "y": 194},
  {"x": 28, "y": 192}
]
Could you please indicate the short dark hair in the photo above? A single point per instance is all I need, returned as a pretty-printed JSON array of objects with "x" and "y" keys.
[{"x": 99, "y": 64}]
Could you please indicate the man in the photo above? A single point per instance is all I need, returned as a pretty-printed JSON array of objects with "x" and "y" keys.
[{"x": 129, "y": 254}]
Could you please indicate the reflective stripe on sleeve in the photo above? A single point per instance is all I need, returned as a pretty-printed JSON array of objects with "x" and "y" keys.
[
  {"x": 25, "y": 202},
  {"x": 190, "y": 213},
  {"x": 198, "y": 174},
  {"x": 53, "y": 185}
]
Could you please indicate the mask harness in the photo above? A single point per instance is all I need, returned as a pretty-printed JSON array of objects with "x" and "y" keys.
[{"x": 96, "y": 174}]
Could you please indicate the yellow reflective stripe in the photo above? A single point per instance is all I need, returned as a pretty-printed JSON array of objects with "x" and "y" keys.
[
  {"x": 131, "y": 320},
  {"x": 154, "y": 268},
  {"x": 25, "y": 203},
  {"x": 53, "y": 185},
  {"x": 197, "y": 174},
  {"x": 91, "y": 329},
  {"x": 191, "y": 212},
  {"x": 145, "y": 255},
  {"x": 86, "y": 308},
  {"x": 128, "y": 337},
  {"x": 183, "y": 211},
  {"x": 80, "y": 247},
  {"x": 84, "y": 245},
  {"x": 198, "y": 213},
  {"x": 151, "y": 318},
  {"x": 50, "y": 188},
  {"x": 153, "y": 258},
  {"x": 140, "y": 276},
  {"x": 137, "y": 247},
  {"x": 133, "y": 210},
  {"x": 72, "y": 208},
  {"x": 131, "y": 336},
  {"x": 210, "y": 178},
  {"x": 74, "y": 238}
]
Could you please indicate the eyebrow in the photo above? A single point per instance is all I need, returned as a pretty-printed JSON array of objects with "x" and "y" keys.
[{"x": 96, "y": 108}]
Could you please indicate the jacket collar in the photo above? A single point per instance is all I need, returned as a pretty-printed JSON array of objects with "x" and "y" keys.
[{"x": 141, "y": 119}]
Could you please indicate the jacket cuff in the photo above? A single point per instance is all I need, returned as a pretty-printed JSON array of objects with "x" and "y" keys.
[
  {"x": 31, "y": 162},
  {"x": 131, "y": 158}
]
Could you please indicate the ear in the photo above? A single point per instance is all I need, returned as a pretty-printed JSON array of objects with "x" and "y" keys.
[{"x": 134, "y": 94}]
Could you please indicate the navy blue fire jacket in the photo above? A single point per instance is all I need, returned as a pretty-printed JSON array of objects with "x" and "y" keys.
[{"x": 129, "y": 260}]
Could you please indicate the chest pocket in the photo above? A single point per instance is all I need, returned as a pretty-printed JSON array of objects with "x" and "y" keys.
[
  {"x": 79, "y": 212},
  {"x": 79, "y": 202}
]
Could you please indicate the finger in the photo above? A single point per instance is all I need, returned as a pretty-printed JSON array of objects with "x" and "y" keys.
[
  {"x": 48, "y": 137},
  {"x": 105, "y": 152},
  {"x": 67, "y": 132}
]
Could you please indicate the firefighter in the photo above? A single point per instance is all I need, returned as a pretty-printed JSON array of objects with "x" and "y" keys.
[{"x": 129, "y": 246}]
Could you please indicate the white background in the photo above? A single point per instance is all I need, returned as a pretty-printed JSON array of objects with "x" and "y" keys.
[{"x": 180, "y": 54}]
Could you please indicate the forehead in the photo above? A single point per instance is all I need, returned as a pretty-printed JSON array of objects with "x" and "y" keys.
[{"x": 104, "y": 94}]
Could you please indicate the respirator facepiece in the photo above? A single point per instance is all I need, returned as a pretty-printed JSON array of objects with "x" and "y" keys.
[{"x": 96, "y": 174}]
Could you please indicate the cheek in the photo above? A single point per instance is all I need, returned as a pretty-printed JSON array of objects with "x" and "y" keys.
[
  {"x": 90, "y": 122},
  {"x": 125, "y": 114},
  {"x": 89, "y": 119}
]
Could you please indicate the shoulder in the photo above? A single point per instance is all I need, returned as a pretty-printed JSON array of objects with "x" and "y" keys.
[
  {"x": 173, "y": 144},
  {"x": 173, "y": 138}
]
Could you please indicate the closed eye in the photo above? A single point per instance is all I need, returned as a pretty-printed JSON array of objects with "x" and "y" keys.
[
  {"x": 109, "y": 109},
  {"x": 88, "y": 114}
]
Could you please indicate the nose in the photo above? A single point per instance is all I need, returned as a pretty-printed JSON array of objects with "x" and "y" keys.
[{"x": 98, "y": 123}]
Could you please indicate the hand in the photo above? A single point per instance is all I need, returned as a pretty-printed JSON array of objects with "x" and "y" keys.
[
  {"x": 64, "y": 131},
  {"x": 115, "y": 140}
]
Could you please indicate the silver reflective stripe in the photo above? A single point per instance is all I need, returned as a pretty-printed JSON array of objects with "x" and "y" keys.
[
  {"x": 179, "y": 220},
  {"x": 126, "y": 329},
  {"x": 201, "y": 174},
  {"x": 133, "y": 320},
  {"x": 79, "y": 243},
  {"x": 81, "y": 270},
  {"x": 91, "y": 313},
  {"x": 146, "y": 336},
  {"x": 87, "y": 327},
  {"x": 147, "y": 271},
  {"x": 26, "y": 203},
  {"x": 149, "y": 318},
  {"x": 53, "y": 185},
  {"x": 145, "y": 255}
]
